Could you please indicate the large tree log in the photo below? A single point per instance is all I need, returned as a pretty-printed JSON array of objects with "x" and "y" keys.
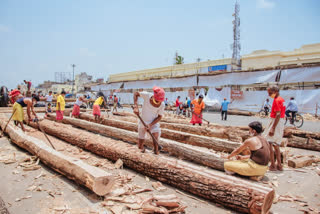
[
  {"x": 240, "y": 112},
  {"x": 290, "y": 131},
  {"x": 192, "y": 153},
  {"x": 214, "y": 143},
  {"x": 228, "y": 191},
  {"x": 235, "y": 134},
  {"x": 304, "y": 143},
  {"x": 97, "y": 180},
  {"x": 303, "y": 161}
]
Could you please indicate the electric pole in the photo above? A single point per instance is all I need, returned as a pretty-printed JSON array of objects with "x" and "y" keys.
[
  {"x": 236, "y": 47},
  {"x": 73, "y": 65}
]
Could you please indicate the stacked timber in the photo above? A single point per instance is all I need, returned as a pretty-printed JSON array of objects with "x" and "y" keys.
[
  {"x": 192, "y": 153},
  {"x": 214, "y": 143},
  {"x": 229, "y": 191},
  {"x": 97, "y": 180}
]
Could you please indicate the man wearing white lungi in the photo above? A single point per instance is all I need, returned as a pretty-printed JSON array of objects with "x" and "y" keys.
[{"x": 274, "y": 131}]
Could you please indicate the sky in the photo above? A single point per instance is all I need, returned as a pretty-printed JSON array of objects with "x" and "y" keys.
[{"x": 103, "y": 37}]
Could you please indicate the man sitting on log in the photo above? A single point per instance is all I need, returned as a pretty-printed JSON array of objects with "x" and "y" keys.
[
  {"x": 152, "y": 111},
  {"x": 255, "y": 164},
  {"x": 18, "y": 115}
]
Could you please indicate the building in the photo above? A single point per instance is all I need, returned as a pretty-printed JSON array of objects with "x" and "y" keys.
[{"x": 81, "y": 80}]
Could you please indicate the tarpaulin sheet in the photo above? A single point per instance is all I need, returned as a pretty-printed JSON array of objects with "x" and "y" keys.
[
  {"x": 105, "y": 87},
  {"x": 164, "y": 83},
  {"x": 239, "y": 78},
  {"x": 308, "y": 74}
]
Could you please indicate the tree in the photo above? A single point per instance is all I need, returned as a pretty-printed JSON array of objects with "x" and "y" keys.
[{"x": 178, "y": 59}]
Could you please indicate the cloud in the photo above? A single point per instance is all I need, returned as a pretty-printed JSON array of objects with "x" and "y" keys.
[
  {"x": 86, "y": 52},
  {"x": 4, "y": 29},
  {"x": 265, "y": 4}
]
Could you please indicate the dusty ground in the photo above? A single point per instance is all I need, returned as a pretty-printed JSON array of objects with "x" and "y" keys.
[{"x": 53, "y": 193}]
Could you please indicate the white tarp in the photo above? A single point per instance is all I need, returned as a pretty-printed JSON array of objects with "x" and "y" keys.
[
  {"x": 239, "y": 78},
  {"x": 309, "y": 74},
  {"x": 254, "y": 100},
  {"x": 164, "y": 83},
  {"x": 105, "y": 87}
]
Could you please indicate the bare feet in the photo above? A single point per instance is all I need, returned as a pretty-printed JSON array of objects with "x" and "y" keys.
[
  {"x": 272, "y": 168},
  {"x": 279, "y": 167}
]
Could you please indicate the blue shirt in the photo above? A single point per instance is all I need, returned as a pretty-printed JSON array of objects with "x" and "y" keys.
[
  {"x": 189, "y": 103},
  {"x": 224, "y": 105},
  {"x": 292, "y": 105}
]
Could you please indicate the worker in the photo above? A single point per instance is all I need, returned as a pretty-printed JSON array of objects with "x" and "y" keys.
[
  {"x": 18, "y": 115},
  {"x": 76, "y": 106},
  {"x": 274, "y": 131},
  {"x": 255, "y": 164},
  {"x": 266, "y": 107},
  {"x": 224, "y": 108},
  {"x": 115, "y": 103},
  {"x": 178, "y": 103},
  {"x": 96, "y": 106},
  {"x": 152, "y": 111},
  {"x": 197, "y": 106},
  {"x": 60, "y": 106},
  {"x": 49, "y": 98},
  {"x": 28, "y": 83}
]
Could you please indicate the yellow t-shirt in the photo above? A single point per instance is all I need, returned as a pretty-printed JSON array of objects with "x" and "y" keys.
[
  {"x": 98, "y": 101},
  {"x": 60, "y": 100}
]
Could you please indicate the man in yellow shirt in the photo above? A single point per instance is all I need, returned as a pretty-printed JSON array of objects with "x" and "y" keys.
[
  {"x": 60, "y": 106},
  {"x": 96, "y": 106}
]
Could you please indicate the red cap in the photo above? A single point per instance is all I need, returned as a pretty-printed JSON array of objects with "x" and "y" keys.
[{"x": 159, "y": 93}]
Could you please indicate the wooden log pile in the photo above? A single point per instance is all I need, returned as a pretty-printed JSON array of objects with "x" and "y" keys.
[
  {"x": 97, "y": 180},
  {"x": 214, "y": 143},
  {"x": 192, "y": 153},
  {"x": 229, "y": 191}
]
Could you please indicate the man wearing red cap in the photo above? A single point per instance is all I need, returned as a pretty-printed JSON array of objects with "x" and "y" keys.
[{"x": 152, "y": 111}]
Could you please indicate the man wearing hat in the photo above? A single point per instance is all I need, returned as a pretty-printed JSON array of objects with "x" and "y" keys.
[
  {"x": 196, "y": 109},
  {"x": 151, "y": 113}
]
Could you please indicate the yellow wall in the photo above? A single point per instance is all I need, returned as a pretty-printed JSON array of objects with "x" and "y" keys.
[
  {"x": 264, "y": 59},
  {"x": 167, "y": 72},
  {"x": 259, "y": 59}
]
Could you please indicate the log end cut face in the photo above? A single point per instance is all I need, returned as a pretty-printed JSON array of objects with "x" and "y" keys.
[
  {"x": 262, "y": 204},
  {"x": 103, "y": 185}
]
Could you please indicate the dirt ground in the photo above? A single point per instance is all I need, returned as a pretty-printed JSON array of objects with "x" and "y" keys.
[{"x": 45, "y": 191}]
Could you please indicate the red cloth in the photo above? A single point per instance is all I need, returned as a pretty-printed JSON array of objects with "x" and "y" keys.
[
  {"x": 177, "y": 103},
  {"x": 195, "y": 119},
  {"x": 277, "y": 105},
  {"x": 59, "y": 115},
  {"x": 29, "y": 84},
  {"x": 158, "y": 93},
  {"x": 13, "y": 94},
  {"x": 76, "y": 110},
  {"x": 116, "y": 100},
  {"x": 96, "y": 110}
]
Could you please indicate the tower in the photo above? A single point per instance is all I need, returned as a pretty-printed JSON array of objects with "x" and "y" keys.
[{"x": 236, "y": 47}]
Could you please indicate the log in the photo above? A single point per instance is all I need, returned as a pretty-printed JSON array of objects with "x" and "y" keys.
[
  {"x": 304, "y": 143},
  {"x": 124, "y": 113},
  {"x": 292, "y": 131},
  {"x": 235, "y": 134},
  {"x": 303, "y": 161},
  {"x": 229, "y": 191},
  {"x": 95, "y": 179},
  {"x": 239, "y": 112},
  {"x": 214, "y": 143},
  {"x": 198, "y": 155}
]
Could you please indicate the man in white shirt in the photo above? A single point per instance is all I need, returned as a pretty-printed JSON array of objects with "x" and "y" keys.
[
  {"x": 49, "y": 98},
  {"x": 152, "y": 111},
  {"x": 292, "y": 108}
]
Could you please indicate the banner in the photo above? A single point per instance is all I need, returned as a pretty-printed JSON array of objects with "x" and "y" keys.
[{"x": 236, "y": 94}]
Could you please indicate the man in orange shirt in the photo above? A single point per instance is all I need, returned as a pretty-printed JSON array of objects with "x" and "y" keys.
[{"x": 197, "y": 108}]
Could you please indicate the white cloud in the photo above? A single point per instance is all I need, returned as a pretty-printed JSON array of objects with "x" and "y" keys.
[
  {"x": 265, "y": 4},
  {"x": 86, "y": 52},
  {"x": 4, "y": 29}
]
